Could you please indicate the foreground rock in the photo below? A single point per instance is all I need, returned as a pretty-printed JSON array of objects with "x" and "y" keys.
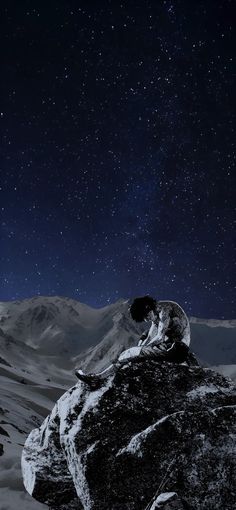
[{"x": 155, "y": 436}]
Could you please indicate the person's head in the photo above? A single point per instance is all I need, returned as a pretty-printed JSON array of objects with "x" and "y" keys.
[{"x": 142, "y": 308}]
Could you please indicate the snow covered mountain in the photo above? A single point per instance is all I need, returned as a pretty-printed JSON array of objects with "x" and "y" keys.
[
  {"x": 54, "y": 324},
  {"x": 41, "y": 341}
]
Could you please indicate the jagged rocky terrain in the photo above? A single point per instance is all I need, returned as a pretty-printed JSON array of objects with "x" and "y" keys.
[
  {"x": 41, "y": 341},
  {"x": 152, "y": 429}
]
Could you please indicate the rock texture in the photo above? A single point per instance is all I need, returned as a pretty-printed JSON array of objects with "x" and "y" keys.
[{"x": 153, "y": 429}]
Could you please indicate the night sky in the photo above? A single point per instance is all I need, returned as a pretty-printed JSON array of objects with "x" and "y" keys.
[{"x": 117, "y": 153}]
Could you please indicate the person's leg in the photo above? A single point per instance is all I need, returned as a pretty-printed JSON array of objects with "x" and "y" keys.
[
  {"x": 192, "y": 360},
  {"x": 180, "y": 353},
  {"x": 96, "y": 380},
  {"x": 134, "y": 354}
]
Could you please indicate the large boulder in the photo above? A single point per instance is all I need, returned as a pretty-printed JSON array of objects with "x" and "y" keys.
[{"x": 156, "y": 435}]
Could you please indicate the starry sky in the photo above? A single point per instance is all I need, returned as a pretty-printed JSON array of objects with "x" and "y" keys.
[{"x": 117, "y": 154}]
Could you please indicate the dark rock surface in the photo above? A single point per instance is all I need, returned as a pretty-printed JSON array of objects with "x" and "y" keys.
[{"x": 152, "y": 429}]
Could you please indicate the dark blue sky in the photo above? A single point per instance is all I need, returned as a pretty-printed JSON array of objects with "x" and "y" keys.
[{"x": 118, "y": 149}]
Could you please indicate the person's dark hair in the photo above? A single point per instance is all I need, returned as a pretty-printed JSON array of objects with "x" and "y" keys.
[{"x": 141, "y": 307}]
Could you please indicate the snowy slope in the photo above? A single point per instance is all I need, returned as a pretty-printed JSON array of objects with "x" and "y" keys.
[
  {"x": 26, "y": 397},
  {"x": 227, "y": 371},
  {"x": 54, "y": 324},
  {"x": 214, "y": 341}
]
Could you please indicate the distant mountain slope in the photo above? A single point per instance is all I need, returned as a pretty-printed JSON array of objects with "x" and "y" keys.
[
  {"x": 214, "y": 341},
  {"x": 56, "y": 325}
]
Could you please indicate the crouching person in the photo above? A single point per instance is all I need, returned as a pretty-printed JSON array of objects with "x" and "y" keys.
[{"x": 167, "y": 339}]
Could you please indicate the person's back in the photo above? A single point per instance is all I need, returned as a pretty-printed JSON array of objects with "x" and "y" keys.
[
  {"x": 169, "y": 321},
  {"x": 178, "y": 320}
]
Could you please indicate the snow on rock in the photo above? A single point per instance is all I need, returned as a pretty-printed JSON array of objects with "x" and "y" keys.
[
  {"x": 162, "y": 498},
  {"x": 202, "y": 391},
  {"x": 168, "y": 501},
  {"x": 130, "y": 353},
  {"x": 112, "y": 449},
  {"x": 135, "y": 445},
  {"x": 77, "y": 462}
]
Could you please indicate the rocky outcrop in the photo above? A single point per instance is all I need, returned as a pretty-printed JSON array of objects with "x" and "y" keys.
[{"x": 154, "y": 436}]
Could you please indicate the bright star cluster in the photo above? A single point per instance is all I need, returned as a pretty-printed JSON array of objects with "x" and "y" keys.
[{"x": 118, "y": 152}]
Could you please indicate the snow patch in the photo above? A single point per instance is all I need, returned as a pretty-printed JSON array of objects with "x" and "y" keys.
[
  {"x": 201, "y": 391},
  {"x": 232, "y": 406},
  {"x": 77, "y": 463},
  {"x": 52, "y": 330},
  {"x": 28, "y": 475},
  {"x": 162, "y": 498},
  {"x": 3, "y": 310},
  {"x": 130, "y": 353},
  {"x": 135, "y": 444}
]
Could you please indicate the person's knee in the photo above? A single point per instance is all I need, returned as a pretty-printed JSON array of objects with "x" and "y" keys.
[{"x": 130, "y": 353}]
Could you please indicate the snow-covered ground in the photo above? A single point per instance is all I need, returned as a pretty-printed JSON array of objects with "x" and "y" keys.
[{"x": 25, "y": 399}]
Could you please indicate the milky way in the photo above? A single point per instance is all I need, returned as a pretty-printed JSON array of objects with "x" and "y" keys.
[{"x": 118, "y": 136}]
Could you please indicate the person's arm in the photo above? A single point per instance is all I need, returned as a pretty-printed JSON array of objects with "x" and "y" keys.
[
  {"x": 164, "y": 321},
  {"x": 144, "y": 337}
]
